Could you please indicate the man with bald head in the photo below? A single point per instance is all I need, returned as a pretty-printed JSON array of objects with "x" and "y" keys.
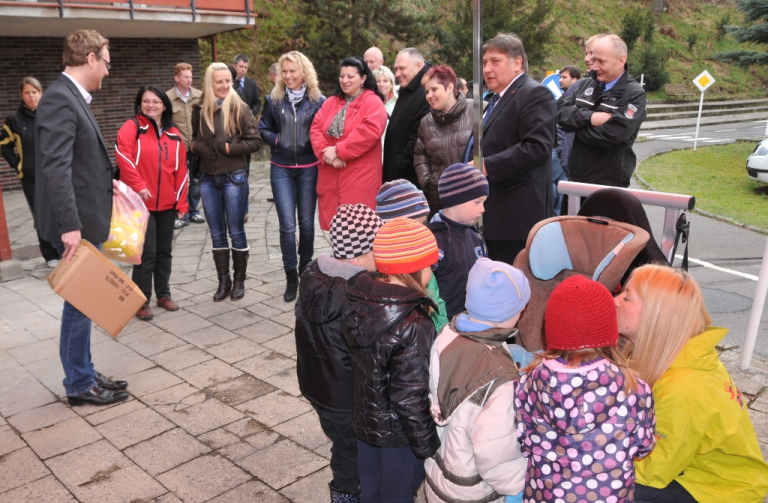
[
  {"x": 605, "y": 113},
  {"x": 374, "y": 58},
  {"x": 411, "y": 107}
]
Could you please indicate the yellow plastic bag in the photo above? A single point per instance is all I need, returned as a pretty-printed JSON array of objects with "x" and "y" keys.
[{"x": 128, "y": 226}]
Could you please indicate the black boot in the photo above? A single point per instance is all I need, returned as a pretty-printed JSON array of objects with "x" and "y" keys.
[
  {"x": 239, "y": 265},
  {"x": 303, "y": 265},
  {"x": 221, "y": 259},
  {"x": 291, "y": 285}
]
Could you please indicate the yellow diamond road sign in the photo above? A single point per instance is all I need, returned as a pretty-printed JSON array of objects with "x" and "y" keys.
[{"x": 704, "y": 81}]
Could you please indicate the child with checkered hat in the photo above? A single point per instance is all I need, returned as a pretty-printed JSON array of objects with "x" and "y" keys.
[
  {"x": 322, "y": 356},
  {"x": 401, "y": 198}
]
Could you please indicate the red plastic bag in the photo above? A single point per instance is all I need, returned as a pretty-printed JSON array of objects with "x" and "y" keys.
[{"x": 128, "y": 226}]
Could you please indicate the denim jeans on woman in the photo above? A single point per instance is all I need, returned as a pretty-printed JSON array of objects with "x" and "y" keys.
[
  {"x": 75, "y": 346},
  {"x": 224, "y": 199},
  {"x": 292, "y": 188}
]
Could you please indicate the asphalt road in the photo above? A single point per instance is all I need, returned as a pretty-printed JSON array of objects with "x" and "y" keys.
[{"x": 728, "y": 296}]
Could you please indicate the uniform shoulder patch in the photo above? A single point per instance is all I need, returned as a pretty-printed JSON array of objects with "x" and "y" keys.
[
  {"x": 589, "y": 91},
  {"x": 630, "y": 113}
]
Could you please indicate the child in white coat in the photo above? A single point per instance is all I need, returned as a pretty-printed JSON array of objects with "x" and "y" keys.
[{"x": 471, "y": 389}]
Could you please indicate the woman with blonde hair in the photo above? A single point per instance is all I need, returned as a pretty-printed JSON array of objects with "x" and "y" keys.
[
  {"x": 285, "y": 121},
  {"x": 706, "y": 448},
  {"x": 224, "y": 134},
  {"x": 17, "y": 143}
]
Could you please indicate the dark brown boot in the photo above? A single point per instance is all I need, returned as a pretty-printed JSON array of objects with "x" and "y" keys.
[
  {"x": 221, "y": 259},
  {"x": 239, "y": 265}
]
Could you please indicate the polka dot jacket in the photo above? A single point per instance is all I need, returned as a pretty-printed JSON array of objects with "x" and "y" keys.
[{"x": 581, "y": 431}]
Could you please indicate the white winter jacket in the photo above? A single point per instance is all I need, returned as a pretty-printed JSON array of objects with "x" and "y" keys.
[{"x": 472, "y": 401}]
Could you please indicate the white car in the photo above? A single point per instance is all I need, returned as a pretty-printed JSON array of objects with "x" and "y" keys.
[{"x": 757, "y": 163}]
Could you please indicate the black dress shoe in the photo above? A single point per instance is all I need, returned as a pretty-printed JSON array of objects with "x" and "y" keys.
[
  {"x": 104, "y": 382},
  {"x": 97, "y": 396}
]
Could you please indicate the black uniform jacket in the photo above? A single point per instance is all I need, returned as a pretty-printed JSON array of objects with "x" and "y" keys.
[{"x": 603, "y": 154}]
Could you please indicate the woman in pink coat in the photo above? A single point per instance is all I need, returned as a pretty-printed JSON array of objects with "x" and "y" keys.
[{"x": 346, "y": 137}]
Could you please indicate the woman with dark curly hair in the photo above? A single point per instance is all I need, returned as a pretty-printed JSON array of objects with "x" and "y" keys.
[{"x": 346, "y": 137}]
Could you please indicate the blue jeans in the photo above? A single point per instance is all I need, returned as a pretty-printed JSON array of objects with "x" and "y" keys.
[
  {"x": 224, "y": 206},
  {"x": 292, "y": 188},
  {"x": 388, "y": 474},
  {"x": 193, "y": 198},
  {"x": 558, "y": 174},
  {"x": 75, "y": 346}
]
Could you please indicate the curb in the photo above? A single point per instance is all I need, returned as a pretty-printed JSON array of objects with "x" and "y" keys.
[{"x": 708, "y": 214}]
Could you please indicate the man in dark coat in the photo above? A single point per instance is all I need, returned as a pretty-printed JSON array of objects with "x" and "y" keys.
[
  {"x": 74, "y": 177},
  {"x": 246, "y": 87},
  {"x": 518, "y": 137},
  {"x": 605, "y": 112},
  {"x": 411, "y": 107}
]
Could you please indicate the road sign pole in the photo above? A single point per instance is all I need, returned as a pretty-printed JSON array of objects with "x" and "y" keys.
[{"x": 698, "y": 121}]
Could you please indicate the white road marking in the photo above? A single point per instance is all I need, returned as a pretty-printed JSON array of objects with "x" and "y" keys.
[
  {"x": 718, "y": 268},
  {"x": 724, "y": 130}
]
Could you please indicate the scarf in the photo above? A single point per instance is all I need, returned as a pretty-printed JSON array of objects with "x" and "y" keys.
[
  {"x": 296, "y": 96},
  {"x": 336, "y": 129}
]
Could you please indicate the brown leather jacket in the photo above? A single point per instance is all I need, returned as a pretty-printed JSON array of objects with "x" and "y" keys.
[
  {"x": 443, "y": 138},
  {"x": 214, "y": 159}
]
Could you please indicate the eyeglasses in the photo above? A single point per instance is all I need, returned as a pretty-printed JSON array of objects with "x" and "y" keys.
[{"x": 106, "y": 63}]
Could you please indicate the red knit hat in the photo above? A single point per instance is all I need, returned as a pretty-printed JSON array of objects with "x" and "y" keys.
[
  {"x": 580, "y": 314},
  {"x": 403, "y": 246}
]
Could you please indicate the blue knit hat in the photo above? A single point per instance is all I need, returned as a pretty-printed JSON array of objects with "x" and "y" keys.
[
  {"x": 460, "y": 183},
  {"x": 496, "y": 291},
  {"x": 401, "y": 198}
]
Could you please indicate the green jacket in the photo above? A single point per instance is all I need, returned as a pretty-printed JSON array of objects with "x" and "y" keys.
[
  {"x": 704, "y": 437},
  {"x": 439, "y": 316}
]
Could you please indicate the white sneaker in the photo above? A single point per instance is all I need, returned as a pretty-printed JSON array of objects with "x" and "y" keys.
[{"x": 52, "y": 263}]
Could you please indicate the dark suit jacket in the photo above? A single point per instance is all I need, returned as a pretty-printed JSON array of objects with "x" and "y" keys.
[
  {"x": 403, "y": 130},
  {"x": 518, "y": 138},
  {"x": 250, "y": 95},
  {"x": 73, "y": 168}
]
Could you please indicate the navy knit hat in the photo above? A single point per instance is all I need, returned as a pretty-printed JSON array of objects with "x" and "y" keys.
[
  {"x": 401, "y": 198},
  {"x": 496, "y": 291},
  {"x": 460, "y": 183}
]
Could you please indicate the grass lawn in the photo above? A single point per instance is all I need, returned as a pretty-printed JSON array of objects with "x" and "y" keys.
[{"x": 716, "y": 176}]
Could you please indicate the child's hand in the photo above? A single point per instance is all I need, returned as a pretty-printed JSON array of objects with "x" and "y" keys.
[{"x": 522, "y": 357}]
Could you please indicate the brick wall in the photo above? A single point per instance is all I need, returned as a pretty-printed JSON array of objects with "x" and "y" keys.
[{"x": 135, "y": 62}]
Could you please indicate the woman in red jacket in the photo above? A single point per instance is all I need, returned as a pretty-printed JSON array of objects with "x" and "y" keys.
[
  {"x": 152, "y": 161},
  {"x": 346, "y": 137}
]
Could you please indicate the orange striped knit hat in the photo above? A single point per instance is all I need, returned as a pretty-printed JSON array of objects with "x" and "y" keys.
[{"x": 404, "y": 246}]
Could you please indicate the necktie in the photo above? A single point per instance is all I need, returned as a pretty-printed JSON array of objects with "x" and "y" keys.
[{"x": 488, "y": 112}]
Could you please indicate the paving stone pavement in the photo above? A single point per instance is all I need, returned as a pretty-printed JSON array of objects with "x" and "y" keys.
[{"x": 215, "y": 413}]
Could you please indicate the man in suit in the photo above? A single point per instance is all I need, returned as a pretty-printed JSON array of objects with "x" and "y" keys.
[
  {"x": 518, "y": 137},
  {"x": 411, "y": 107},
  {"x": 248, "y": 87},
  {"x": 74, "y": 176}
]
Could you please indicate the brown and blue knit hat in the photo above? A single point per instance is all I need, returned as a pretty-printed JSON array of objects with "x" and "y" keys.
[
  {"x": 401, "y": 198},
  {"x": 460, "y": 183}
]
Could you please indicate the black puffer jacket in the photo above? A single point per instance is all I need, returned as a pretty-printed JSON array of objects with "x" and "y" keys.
[
  {"x": 322, "y": 356},
  {"x": 286, "y": 130},
  {"x": 389, "y": 339},
  {"x": 19, "y": 132}
]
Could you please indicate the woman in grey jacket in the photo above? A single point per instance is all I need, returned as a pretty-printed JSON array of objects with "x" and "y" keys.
[{"x": 443, "y": 133}]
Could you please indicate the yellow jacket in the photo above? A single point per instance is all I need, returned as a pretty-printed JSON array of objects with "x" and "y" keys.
[{"x": 704, "y": 437}]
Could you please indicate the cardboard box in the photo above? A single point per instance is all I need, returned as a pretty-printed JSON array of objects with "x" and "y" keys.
[{"x": 97, "y": 288}]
